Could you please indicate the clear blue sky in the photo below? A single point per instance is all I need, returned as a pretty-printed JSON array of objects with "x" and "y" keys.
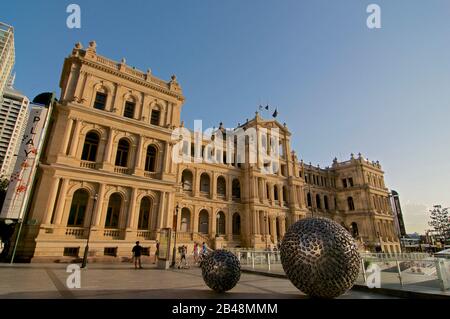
[{"x": 340, "y": 86}]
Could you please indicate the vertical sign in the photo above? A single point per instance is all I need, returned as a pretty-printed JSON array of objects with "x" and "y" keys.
[{"x": 22, "y": 178}]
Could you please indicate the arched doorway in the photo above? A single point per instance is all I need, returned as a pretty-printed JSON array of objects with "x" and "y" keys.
[
  {"x": 185, "y": 220},
  {"x": 144, "y": 214},
  {"x": 236, "y": 224},
  {"x": 220, "y": 223},
  {"x": 203, "y": 222},
  {"x": 78, "y": 208},
  {"x": 113, "y": 212}
]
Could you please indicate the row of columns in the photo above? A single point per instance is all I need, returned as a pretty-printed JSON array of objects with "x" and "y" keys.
[
  {"x": 58, "y": 207},
  {"x": 212, "y": 221},
  {"x": 72, "y": 145}
]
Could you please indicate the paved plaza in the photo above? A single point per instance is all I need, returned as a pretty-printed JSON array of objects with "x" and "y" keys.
[{"x": 123, "y": 281}]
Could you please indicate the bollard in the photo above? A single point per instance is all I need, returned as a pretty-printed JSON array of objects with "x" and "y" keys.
[{"x": 268, "y": 260}]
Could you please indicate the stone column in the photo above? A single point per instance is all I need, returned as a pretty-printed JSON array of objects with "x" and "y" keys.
[
  {"x": 273, "y": 221},
  {"x": 66, "y": 136},
  {"x": 162, "y": 199},
  {"x": 100, "y": 203},
  {"x": 132, "y": 209},
  {"x": 109, "y": 147},
  {"x": 229, "y": 225},
  {"x": 61, "y": 202},
  {"x": 195, "y": 220},
  {"x": 213, "y": 190},
  {"x": 75, "y": 138},
  {"x": 52, "y": 190},
  {"x": 138, "y": 160}
]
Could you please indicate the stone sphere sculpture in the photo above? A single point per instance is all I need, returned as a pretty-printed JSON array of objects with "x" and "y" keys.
[
  {"x": 320, "y": 257},
  {"x": 221, "y": 270}
]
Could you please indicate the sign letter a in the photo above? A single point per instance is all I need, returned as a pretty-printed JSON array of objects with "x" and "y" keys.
[
  {"x": 74, "y": 19},
  {"x": 374, "y": 19}
]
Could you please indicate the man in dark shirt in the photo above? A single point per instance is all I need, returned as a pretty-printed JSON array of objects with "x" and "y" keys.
[{"x": 137, "y": 251}]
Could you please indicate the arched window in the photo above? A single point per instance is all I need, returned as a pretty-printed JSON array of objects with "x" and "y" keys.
[
  {"x": 236, "y": 189},
  {"x": 355, "y": 231},
  {"x": 113, "y": 212},
  {"x": 275, "y": 192},
  {"x": 155, "y": 117},
  {"x": 220, "y": 223},
  {"x": 308, "y": 197},
  {"x": 203, "y": 222},
  {"x": 351, "y": 204},
  {"x": 318, "y": 202},
  {"x": 100, "y": 100},
  {"x": 236, "y": 224},
  {"x": 129, "y": 108},
  {"x": 185, "y": 220},
  {"x": 144, "y": 213},
  {"x": 90, "y": 147},
  {"x": 221, "y": 186},
  {"x": 285, "y": 195},
  {"x": 150, "y": 159},
  {"x": 325, "y": 202},
  {"x": 186, "y": 180},
  {"x": 78, "y": 208},
  {"x": 123, "y": 150},
  {"x": 204, "y": 183}
]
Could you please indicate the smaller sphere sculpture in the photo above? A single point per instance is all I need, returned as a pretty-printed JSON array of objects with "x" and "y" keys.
[
  {"x": 221, "y": 270},
  {"x": 320, "y": 257}
]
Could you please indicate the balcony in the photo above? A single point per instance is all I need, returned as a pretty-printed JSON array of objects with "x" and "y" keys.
[
  {"x": 112, "y": 233},
  {"x": 151, "y": 174},
  {"x": 88, "y": 164},
  {"x": 122, "y": 170},
  {"x": 144, "y": 234},
  {"x": 75, "y": 232}
]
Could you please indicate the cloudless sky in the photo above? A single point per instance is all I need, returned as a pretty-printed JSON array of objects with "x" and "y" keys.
[{"x": 340, "y": 87}]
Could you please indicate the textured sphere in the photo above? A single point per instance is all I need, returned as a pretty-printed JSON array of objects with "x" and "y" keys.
[
  {"x": 320, "y": 257},
  {"x": 221, "y": 270}
]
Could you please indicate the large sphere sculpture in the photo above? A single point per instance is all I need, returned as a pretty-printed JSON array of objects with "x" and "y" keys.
[
  {"x": 320, "y": 257},
  {"x": 221, "y": 270}
]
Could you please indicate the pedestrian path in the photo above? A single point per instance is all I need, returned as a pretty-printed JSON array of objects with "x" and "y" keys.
[{"x": 123, "y": 281}]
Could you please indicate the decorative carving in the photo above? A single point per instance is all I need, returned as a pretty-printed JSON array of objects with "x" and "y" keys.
[
  {"x": 221, "y": 270},
  {"x": 320, "y": 257}
]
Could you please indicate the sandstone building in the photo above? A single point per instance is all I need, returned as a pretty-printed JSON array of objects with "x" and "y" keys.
[{"x": 108, "y": 164}]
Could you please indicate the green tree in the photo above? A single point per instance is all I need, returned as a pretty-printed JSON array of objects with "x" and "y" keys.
[{"x": 440, "y": 220}]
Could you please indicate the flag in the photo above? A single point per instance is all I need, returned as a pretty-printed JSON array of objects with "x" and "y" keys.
[{"x": 275, "y": 113}]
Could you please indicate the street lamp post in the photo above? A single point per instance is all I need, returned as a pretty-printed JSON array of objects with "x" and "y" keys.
[
  {"x": 86, "y": 249},
  {"x": 265, "y": 228},
  {"x": 174, "y": 252}
]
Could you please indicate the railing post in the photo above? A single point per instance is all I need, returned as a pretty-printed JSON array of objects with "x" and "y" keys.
[
  {"x": 364, "y": 271},
  {"x": 399, "y": 273},
  {"x": 253, "y": 259},
  {"x": 268, "y": 260},
  {"x": 443, "y": 276}
]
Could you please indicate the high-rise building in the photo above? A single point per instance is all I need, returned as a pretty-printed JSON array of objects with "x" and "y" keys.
[
  {"x": 13, "y": 119},
  {"x": 7, "y": 55},
  {"x": 398, "y": 216}
]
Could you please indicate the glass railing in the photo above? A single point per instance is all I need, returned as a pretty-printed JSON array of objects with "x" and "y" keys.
[{"x": 406, "y": 271}]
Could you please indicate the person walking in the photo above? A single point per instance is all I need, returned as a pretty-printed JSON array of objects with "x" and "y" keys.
[
  {"x": 183, "y": 261},
  {"x": 137, "y": 252},
  {"x": 156, "y": 252},
  {"x": 195, "y": 251}
]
